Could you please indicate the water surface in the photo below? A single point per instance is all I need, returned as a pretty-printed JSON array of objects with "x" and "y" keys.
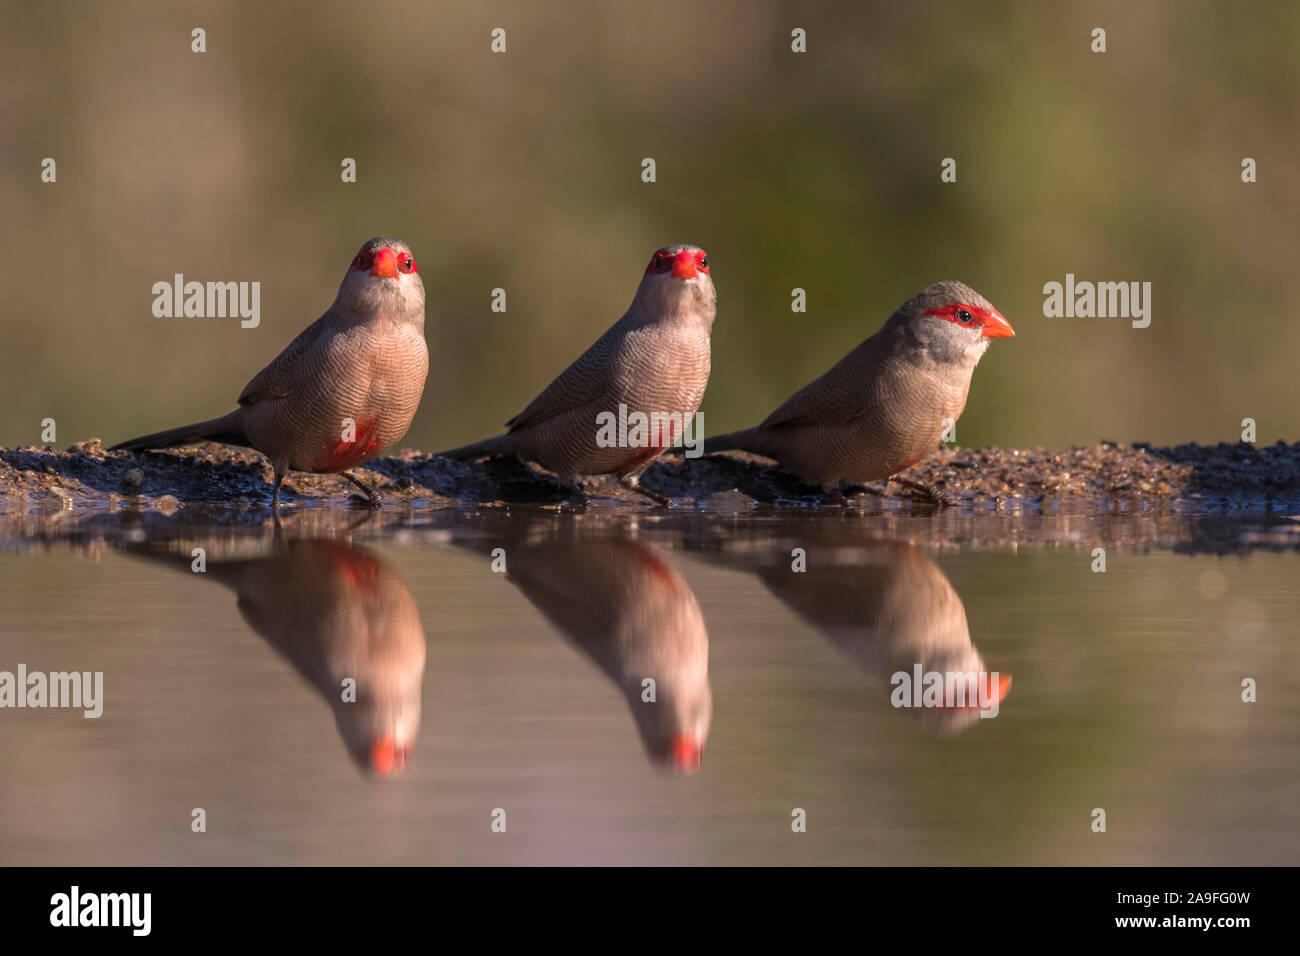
[{"x": 521, "y": 690}]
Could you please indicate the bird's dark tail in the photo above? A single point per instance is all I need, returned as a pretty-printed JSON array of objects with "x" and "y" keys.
[
  {"x": 496, "y": 445},
  {"x": 228, "y": 429},
  {"x": 744, "y": 440}
]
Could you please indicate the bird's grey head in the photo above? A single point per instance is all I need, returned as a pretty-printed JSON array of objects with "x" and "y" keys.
[
  {"x": 677, "y": 284},
  {"x": 383, "y": 276},
  {"x": 951, "y": 322}
]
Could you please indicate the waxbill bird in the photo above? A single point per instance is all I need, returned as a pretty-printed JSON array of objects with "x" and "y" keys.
[
  {"x": 337, "y": 613},
  {"x": 655, "y": 359},
  {"x": 882, "y": 408},
  {"x": 341, "y": 393}
]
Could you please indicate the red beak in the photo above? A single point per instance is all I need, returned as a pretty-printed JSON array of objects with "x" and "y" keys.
[
  {"x": 996, "y": 694},
  {"x": 1004, "y": 685},
  {"x": 686, "y": 753},
  {"x": 684, "y": 265},
  {"x": 996, "y": 327},
  {"x": 386, "y": 264},
  {"x": 386, "y": 757}
]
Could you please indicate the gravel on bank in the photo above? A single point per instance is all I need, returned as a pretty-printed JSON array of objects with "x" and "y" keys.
[{"x": 1107, "y": 477}]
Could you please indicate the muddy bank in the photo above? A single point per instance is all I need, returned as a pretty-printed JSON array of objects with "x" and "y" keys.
[{"x": 1103, "y": 478}]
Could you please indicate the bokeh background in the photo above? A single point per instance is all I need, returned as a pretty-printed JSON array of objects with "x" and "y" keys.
[{"x": 522, "y": 171}]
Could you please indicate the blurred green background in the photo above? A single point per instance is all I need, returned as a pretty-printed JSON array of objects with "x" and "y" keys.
[{"x": 522, "y": 170}]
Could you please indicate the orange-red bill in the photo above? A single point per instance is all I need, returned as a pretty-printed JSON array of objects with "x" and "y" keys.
[
  {"x": 385, "y": 263},
  {"x": 996, "y": 327},
  {"x": 684, "y": 265},
  {"x": 686, "y": 753},
  {"x": 386, "y": 757}
]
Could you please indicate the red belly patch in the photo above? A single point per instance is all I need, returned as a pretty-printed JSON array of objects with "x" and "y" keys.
[
  {"x": 357, "y": 569},
  {"x": 346, "y": 453},
  {"x": 641, "y": 455},
  {"x": 661, "y": 572},
  {"x": 645, "y": 454}
]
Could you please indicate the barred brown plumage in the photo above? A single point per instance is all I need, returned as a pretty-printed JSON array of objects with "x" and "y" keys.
[
  {"x": 342, "y": 392},
  {"x": 883, "y": 407},
  {"x": 655, "y": 359}
]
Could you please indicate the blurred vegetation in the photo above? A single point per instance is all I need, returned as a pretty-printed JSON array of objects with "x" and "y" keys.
[{"x": 522, "y": 171}]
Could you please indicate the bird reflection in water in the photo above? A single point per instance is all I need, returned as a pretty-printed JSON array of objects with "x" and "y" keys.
[
  {"x": 627, "y": 609},
  {"x": 334, "y": 611},
  {"x": 886, "y": 607}
]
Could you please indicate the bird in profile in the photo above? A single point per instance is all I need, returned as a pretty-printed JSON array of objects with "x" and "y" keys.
[
  {"x": 655, "y": 359},
  {"x": 341, "y": 393},
  {"x": 885, "y": 405}
]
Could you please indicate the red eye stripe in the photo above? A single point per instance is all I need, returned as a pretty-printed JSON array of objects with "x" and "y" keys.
[
  {"x": 665, "y": 261},
  {"x": 661, "y": 261},
  {"x": 364, "y": 261},
  {"x": 949, "y": 312},
  {"x": 989, "y": 322}
]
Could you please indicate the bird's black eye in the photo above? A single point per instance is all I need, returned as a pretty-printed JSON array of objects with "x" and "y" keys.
[
  {"x": 964, "y": 316},
  {"x": 704, "y": 262}
]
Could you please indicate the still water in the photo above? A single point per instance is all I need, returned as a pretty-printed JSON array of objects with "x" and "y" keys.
[{"x": 500, "y": 662}]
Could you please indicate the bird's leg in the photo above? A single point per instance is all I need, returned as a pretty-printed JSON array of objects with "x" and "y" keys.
[
  {"x": 832, "y": 488},
  {"x": 573, "y": 485},
  {"x": 632, "y": 482},
  {"x": 275, "y": 498},
  {"x": 372, "y": 499},
  {"x": 932, "y": 494}
]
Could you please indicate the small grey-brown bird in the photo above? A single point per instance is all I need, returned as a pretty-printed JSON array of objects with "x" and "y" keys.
[
  {"x": 345, "y": 390},
  {"x": 882, "y": 408},
  {"x": 655, "y": 359}
]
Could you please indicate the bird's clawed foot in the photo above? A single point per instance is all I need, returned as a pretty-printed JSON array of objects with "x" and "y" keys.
[
  {"x": 662, "y": 500},
  {"x": 633, "y": 483},
  {"x": 573, "y": 487},
  {"x": 371, "y": 500},
  {"x": 932, "y": 494},
  {"x": 836, "y": 495}
]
